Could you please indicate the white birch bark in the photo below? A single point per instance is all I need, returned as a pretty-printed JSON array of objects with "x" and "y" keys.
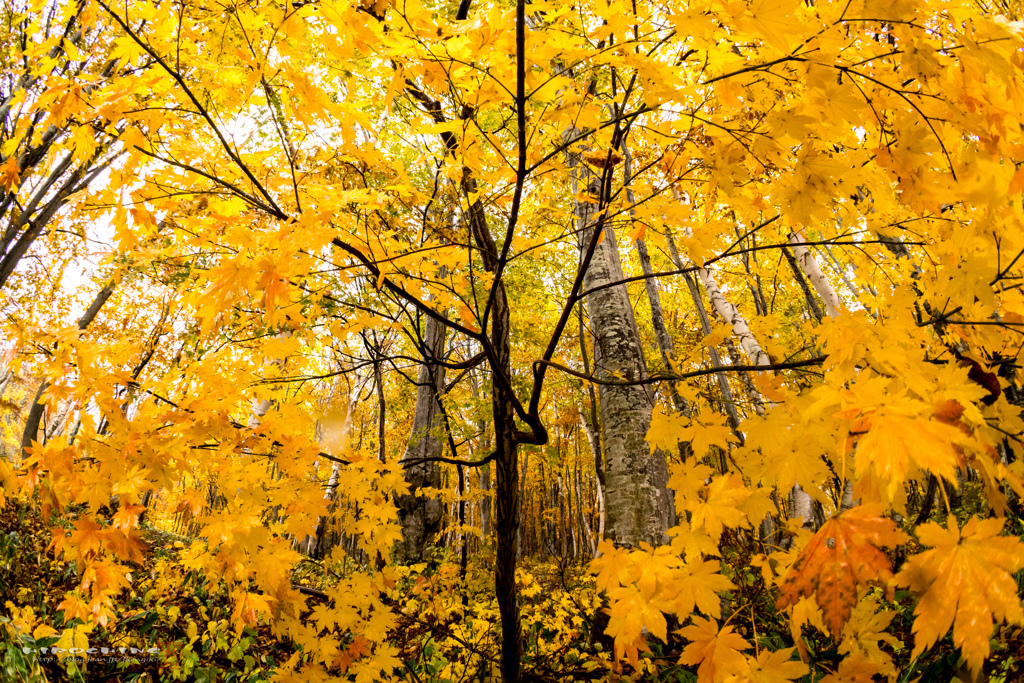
[
  {"x": 661, "y": 333},
  {"x": 5, "y": 381},
  {"x": 55, "y": 425},
  {"x": 333, "y": 438},
  {"x": 837, "y": 267},
  {"x": 813, "y": 271},
  {"x": 801, "y": 503},
  {"x": 731, "y": 315},
  {"x": 728, "y": 311},
  {"x": 809, "y": 265},
  {"x": 594, "y": 447}
]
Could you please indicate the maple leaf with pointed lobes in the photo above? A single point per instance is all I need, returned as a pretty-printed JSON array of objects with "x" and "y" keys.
[
  {"x": 840, "y": 561},
  {"x": 966, "y": 581},
  {"x": 629, "y": 614},
  {"x": 126, "y": 544},
  {"x": 87, "y": 538},
  {"x": 613, "y": 566},
  {"x": 719, "y": 505},
  {"x": 9, "y": 173},
  {"x": 866, "y": 630},
  {"x": 688, "y": 480},
  {"x": 693, "y": 543},
  {"x": 248, "y": 606},
  {"x": 806, "y": 611},
  {"x": 359, "y": 648},
  {"x": 698, "y": 585},
  {"x": 855, "y": 668},
  {"x": 127, "y": 517},
  {"x": 710, "y": 430},
  {"x": 717, "y": 652},
  {"x": 772, "y": 667}
]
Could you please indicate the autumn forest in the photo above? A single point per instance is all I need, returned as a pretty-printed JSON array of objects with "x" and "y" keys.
[{"x": 507, "y": 341}]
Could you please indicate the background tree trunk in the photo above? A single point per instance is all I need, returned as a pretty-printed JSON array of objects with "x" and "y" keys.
[
  {"x": 637, "y": 502},
  {"x": 35, "y": 411},
  {"x": 420, "y": 511}
]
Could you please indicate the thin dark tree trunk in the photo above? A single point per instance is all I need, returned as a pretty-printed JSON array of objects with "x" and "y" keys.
[
  {"x": 463, "y": 549},
  {"x": 503, "y": 401},
  {"x": 381, "y": 423},
  {"x": 35, "y": 411}
]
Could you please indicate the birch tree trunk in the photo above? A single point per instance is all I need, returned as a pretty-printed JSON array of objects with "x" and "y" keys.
[
  {"x": 731, "y": 315},
  {"x": 798, "y": 275},
  {"x": 801, "y": 503},
  {"x": 838, "y": 268},
  {"x": 810, "y": 266},
  {"x": 829, "y": 296},
  {"x": 637, "y": 503},
  {"x": 333, "y": 438},
  {"x": 592, "y": 430},
  {"x": 420, "y": 511},
  {"x": 654, "y": 298},
  {"x": 595, "y": 448},
  {"x": 728, "y": 403}
]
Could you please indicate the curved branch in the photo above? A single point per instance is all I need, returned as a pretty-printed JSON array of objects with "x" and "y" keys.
[{"x": 672, "y": 377}]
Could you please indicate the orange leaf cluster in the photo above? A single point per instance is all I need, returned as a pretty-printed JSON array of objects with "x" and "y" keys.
[{"x": 840, "y": 560}]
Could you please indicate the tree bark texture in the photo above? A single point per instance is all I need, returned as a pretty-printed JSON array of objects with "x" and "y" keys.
[
  {"x": 637, "y": 503},
  {"x": 420, "y": 510},
  {"x": 506, "y": 447},
  {"x": 810, "y": 266},
  {"x": 801, "y": 503}
]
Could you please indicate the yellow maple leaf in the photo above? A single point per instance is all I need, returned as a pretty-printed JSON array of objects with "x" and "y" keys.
[
  {"x": 717, "y": 652},
  {"x": 692, "y": 542},
  {"x": 127, "y": 517},
  {"x": 125, "y": 544},
  {"x": 854, "y": 668},
  {"x": 966, "y": 581},
  {"x": 697, "y": 585},
  {"x": 758, "y": 506},
  {"x": 709, "y": 430},
  {"x": 864, "y": 632},
  {"x": 248, "y": 607},
  {"x": 894, "y": 442},
  {"x": 74, "y": 637},
  {"x": 806, "y": 611},
  {"x": 886, "y": 9},
  {"x": 655, "y": 565},
  {"x": 719, "y": 506},
  {"x": 664, "y": 432},
  {"x": 87, "y": 538},
  {"x": 43, "y": 631},
  {"x": 775, "y": 21},
  {"x": 9, "y": 173},
  {"x": 629, "y": 614},
  {"x": 613, "y": 567},
  {"x": 688, "y": 480},
  {"x": 771, "y": 667}
]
